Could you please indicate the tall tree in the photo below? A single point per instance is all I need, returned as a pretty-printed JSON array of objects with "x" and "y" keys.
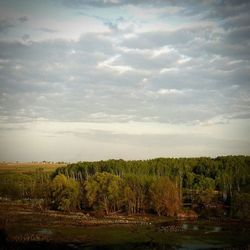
[
  {"x": 65, "y": 193},
  {"x": 103, "y": 191},
  {"x": 165, "y": 196}
]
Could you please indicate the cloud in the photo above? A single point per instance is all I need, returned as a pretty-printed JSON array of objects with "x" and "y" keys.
[
  {"x": 25, "y": 37},
  {"x": 23, "y": 19},
  {"x": 95, "y": 3},
  {"x": 176, "y": 75},
  {"x": 48, "y": 30},
  {"x": 98, "y": 75},
  {"x": 119, "y": 140},
  {"x": 5, "y": 25},
  {"x": 170, "y": 91},
  {"x": 109, "y": 64}
]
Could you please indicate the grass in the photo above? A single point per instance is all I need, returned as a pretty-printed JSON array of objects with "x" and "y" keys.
[{"x": 28, "y": 167}]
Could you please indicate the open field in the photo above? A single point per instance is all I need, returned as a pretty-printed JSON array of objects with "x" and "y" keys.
[{"x": 24, "y": 167}]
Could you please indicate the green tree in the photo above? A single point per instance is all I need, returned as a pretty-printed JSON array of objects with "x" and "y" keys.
[
  {"x": 65, "y": 193},
  {"x": 241, "y": 205},
  {"x": 136, "y": 193},
  {"x": 103, "y": 191},
  {"x": 130, "y": 200}
]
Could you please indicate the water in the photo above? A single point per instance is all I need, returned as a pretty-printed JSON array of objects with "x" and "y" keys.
[
  {"x": 168, "y": 235},
  {"x": 45, "y": 231},
  {"x": 185, "y": 235}
]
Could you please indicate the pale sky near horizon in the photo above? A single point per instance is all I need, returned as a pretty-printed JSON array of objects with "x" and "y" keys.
[{"x": 130, "y": 79}]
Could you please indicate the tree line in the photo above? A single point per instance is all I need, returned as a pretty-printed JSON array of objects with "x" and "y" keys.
[{"x": 163, "y": 185}]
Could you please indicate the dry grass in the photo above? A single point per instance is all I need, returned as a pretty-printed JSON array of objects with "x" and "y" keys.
[{"x": 28, "y": 167}]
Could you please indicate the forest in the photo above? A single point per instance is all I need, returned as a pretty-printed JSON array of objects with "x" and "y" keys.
[{"x": 209, "y": 187}]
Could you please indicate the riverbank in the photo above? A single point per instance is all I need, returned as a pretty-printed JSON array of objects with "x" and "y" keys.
[{"x": 23, "y": 227}]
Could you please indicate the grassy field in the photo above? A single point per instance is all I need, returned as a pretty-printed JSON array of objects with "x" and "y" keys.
[{"x": 28, "y": 167}]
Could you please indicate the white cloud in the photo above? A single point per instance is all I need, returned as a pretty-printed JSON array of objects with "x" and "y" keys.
[
  {"x": 163, "y": 50},
  {"x": 166, "y": 70},
  {"x": 184, "y": 59},
  {"x": 109, "y": 64},
  {"x": 169, "y": 92}
]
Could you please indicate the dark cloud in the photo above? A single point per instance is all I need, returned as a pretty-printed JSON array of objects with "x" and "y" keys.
[
  {"x": 5, "y": 25},
  {"x": 23, "y": 19},
  {"x": 240, "y": 20},
  {"x": 239, "y": 36},
  {"x": 227, "y": 9}
]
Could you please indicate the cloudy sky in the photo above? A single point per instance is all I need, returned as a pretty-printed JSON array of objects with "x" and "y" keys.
[{"x": 131, "y": 79}]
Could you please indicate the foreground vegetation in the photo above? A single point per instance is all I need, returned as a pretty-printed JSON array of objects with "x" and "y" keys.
[
  {"x": 164, "y": 186},
  {"x": 22, "y": 226}
]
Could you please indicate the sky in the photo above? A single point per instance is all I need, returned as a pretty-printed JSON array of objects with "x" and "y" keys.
[{"x": 123, "y": 79}]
